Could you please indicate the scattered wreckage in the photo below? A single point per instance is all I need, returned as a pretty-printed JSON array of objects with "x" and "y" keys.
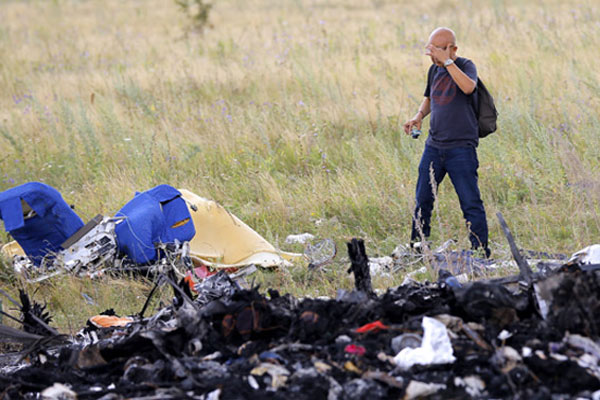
[
  {"x": 534, "y": 335},
  {"x": 154, "y": 230},
  {"x": 435, "y": 340}
]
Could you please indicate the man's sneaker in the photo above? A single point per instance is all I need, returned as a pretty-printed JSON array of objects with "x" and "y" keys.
[{"x": 483, "y": 252}]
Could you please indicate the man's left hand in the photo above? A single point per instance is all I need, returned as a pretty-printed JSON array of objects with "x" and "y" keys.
[{"x": 439, "y": 54}]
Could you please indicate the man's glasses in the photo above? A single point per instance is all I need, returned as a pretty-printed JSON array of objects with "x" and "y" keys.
[{"x": 444, "y": 48}]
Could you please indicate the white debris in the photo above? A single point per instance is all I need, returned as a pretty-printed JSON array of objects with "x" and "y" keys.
[
  {"x": 408, "y": 281},
  {"x": 214, "y": 395},
  {"x": 436, "y": 347},
  {"x": 381, "y": 266},
  {"x": 584, "y": 343},
  {"x": 509, "y": 354},
  {"x": 300, "y": 238},
  {"x": 279, "y": 374},
  {"x": 417, "y": 390},
  {"x": 445, "y": 246},
  {"x": 504, "y": 334},
  {"x": 473, "y": 385},
  {"x": 400, "y": 251},
  {"x": 252, "y": 382},
  {"x": 58, "y": 391},
  {"x": 526, "y": 352},
  {"x": 589, "y": 255},
  {"x": 463, "y": 278}
]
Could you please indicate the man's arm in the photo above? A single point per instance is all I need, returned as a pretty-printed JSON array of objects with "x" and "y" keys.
[
  {"x": 424, "y": 110},
  {"x": 462, "y": 80},
  {"x": 466, "y": 84}
]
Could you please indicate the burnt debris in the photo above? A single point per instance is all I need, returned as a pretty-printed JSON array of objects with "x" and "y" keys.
[
  {"x": 360, "y": 266},
  {"x": 232, "y": 343}
]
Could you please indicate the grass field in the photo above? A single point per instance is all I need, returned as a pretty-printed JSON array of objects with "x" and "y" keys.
[{"x": 288, "y": 114}]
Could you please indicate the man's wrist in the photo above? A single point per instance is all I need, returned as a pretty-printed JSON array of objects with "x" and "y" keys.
[
  {"x": 448, "y": 62},
  {"x": 421, "y": 113}
]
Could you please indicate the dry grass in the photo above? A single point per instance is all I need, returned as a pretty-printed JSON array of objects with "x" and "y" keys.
[{"x": 287, "y": 113}]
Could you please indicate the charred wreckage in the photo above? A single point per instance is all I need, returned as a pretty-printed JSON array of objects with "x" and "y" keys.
[{"x": 532, "y": 336}]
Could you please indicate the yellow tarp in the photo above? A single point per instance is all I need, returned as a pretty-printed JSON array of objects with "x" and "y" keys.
[{"x": 222, "y": 240}]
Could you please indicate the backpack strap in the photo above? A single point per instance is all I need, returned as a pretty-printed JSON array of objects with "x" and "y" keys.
[{"x": 474, "y": 96}]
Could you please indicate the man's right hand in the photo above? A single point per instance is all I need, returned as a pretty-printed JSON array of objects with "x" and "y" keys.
[{"x": 415, "y": 121}]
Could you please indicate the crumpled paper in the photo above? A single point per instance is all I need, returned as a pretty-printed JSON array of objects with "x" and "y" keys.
[{"x": 436, "y": 347}]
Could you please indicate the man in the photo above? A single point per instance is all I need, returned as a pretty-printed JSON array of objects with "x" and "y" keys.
[{"x": 450, "y": 96}]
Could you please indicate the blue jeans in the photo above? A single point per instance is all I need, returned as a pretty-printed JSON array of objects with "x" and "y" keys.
[{"x": 461, "y": 164}]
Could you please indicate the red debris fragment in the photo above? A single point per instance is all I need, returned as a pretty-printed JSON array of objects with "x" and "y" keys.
[
  {"x": 355, "y": 349},
  {"x": 190, "y": 281},
  {"x": 372, "y": 327}
]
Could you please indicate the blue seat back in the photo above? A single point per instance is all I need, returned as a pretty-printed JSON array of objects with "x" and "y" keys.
[
  {"x": 158, "y": 215},
  {"x": 43, "y": 233}
]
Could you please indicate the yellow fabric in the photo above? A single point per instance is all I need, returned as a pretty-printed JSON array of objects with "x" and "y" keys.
[{"x": 222, "y": 240}]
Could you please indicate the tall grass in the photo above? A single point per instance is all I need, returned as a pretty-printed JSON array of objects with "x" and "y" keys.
[{"x": 288, "y": 112}]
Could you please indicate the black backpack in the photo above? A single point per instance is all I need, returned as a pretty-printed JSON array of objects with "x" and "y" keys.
[{"x": 485, "y": 110}]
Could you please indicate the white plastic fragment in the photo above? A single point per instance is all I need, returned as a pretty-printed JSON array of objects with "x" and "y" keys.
[
  {"x": 58, "y": 391},
  {"x": 504, "y": 334},
  {"x": 301, "y": 238},
  {"x": 343, "y": 339},
  {"x": 559, "y": 357},
  {"x": 526, "y": 352},
  {"x": 436, "y": 347},
  {"x": 509, "y": 354},
  {"x": 417, "y": 390},
  {"x": 589, "y": 255},
  {"x": 252, "y": 382},
  {"x": 214, "y": 395},
  {"x": 587, "y": 361},
  {"x": 381, "y": 266},
  {"x": 473, "y": 385}
]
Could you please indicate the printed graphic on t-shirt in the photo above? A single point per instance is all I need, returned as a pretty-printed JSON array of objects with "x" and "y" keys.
[{"x": 444, "y": 90}]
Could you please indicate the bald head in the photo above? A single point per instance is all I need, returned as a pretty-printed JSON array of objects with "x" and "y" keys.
[
  {"x": 441, "y": 46},
  {"x": 441, "y": 37}
]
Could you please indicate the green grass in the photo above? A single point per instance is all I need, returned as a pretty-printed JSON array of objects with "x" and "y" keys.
[{"x": 288, "y": 114}]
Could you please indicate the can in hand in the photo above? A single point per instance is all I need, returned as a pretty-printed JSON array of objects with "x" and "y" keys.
[{"x": 415, "y": 133}]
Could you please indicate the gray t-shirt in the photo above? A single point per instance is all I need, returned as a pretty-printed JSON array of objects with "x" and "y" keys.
[{"x": 453, "y": 120}]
